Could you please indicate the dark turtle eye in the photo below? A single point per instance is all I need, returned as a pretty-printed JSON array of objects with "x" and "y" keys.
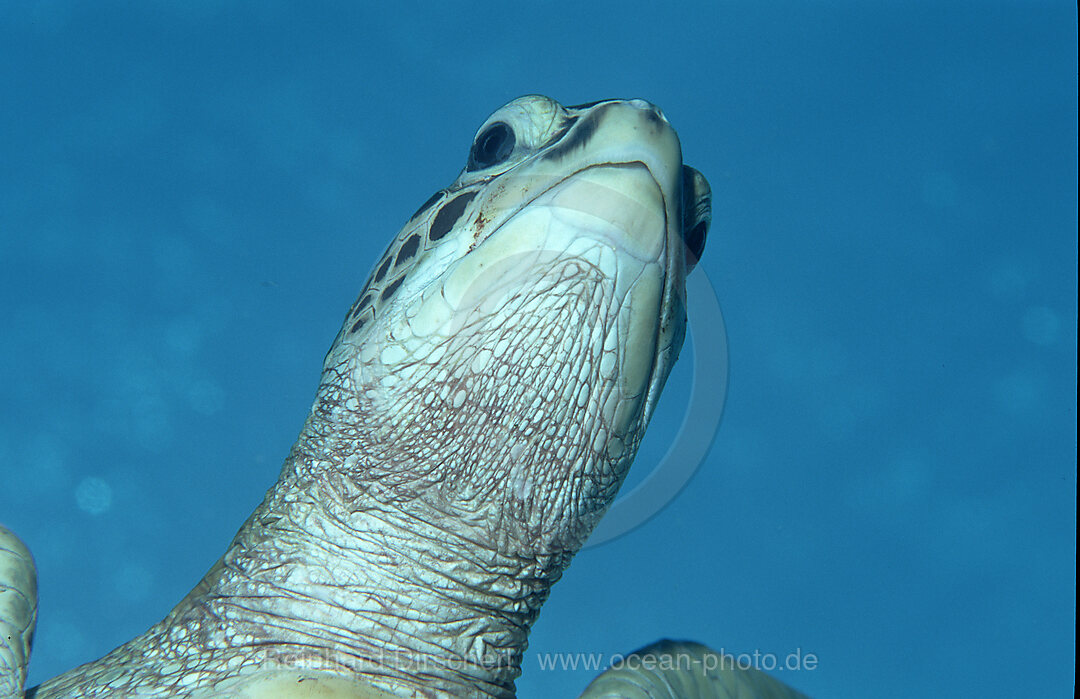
[
  {"x": 695, "y": 244},
  {"x": 491, "y": 147},
  {"x": 697, "y": 214}
]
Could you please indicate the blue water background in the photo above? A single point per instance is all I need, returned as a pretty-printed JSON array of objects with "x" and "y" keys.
[{"x": 192, "y": 193}]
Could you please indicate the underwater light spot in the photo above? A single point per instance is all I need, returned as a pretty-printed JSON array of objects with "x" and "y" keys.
[
  {"x": 1018, "y": 393},
  {"x": 206, "y": 397},
  {"x": 1041, "y": 326},
  {"x": 1010, "y": 280},
  {"x": 184, "y": 336},
  {"x": 132, "y": 581},
  {"x": 93, "y": 495}
]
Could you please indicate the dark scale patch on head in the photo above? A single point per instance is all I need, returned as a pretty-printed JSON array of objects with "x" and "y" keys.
[
  {"x": 389, "y": 291},
  {"x": 408, "y": 249},
  {"x": 429, "y": 203},
  {"x": 449, "y": 215},
  {"x": 578, "y": 137},
  {"x": 383, "y": 269},
  {"x": 363, "y": 303}
]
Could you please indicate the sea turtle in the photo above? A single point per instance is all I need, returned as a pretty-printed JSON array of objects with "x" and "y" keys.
[{"x": 476, "y": 415}]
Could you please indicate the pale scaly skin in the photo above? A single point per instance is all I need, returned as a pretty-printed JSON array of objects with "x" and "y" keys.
[
  {"x": 476, "y": 415},
  {"x": 18, "y": 611}
]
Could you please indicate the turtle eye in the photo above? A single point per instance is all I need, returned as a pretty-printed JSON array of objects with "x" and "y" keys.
[
  {"x": 695, "y": 244},
  {"x": 491, "y": 147}
]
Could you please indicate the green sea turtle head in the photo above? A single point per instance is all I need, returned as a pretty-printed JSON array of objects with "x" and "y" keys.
[{"x": 502, "y": 362}]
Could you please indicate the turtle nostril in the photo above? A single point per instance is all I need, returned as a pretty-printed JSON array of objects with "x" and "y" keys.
[{"x": 653, "y": 112}]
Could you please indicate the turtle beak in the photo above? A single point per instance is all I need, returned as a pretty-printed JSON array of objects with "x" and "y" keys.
[{"x": 697, "y": 214}]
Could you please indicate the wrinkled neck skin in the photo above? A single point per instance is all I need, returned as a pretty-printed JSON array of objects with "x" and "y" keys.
[{"x": 423, "y": 515}]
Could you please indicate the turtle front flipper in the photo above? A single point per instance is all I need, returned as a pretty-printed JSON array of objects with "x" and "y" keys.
[
  {"x": 18, "y": 612},
  {"x": 684, "y": 670}
]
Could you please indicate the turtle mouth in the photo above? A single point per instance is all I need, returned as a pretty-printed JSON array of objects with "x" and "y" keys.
[{"x": 619, "y": 203}]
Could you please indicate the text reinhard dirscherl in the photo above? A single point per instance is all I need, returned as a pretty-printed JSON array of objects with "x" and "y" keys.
[{"x": 410, "y": 662}]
